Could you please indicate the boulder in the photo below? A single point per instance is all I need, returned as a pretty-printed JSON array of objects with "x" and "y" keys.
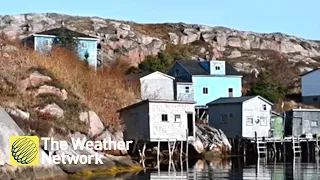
[
  {"x": 95, "y": 125},
  {"x": 235, "y": 54},
  {"x": 35, "y": 79},
  {"x": 18, "y": 113},
  {"x": 44, "y": 170},
  {"x": 52, "y": 109},
  {"x": 45, "y": 89}
]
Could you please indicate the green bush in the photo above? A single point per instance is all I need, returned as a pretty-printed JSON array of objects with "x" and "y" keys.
[{"x": 267, "y": 87}]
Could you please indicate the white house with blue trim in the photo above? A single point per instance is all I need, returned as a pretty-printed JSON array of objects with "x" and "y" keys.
[
  {"x": 87, "y": 46},
  {"x": 205, "y": 81}
]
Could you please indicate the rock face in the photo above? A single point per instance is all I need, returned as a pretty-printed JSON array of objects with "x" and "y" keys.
[
  {"x": 92, "y": 119},
  {"x": 9, "y": 128},
  {"x": 133, "y": 41}
]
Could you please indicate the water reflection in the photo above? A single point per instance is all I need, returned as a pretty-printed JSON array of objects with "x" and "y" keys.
[{"x": 234, "y": 168}]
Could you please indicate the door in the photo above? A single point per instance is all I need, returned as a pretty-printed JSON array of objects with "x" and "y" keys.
[{"x": 190, "y": 124}]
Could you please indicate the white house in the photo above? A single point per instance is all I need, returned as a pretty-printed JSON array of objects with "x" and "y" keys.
[
  {"x": 241, "y": 116},
  {"x": 157, "y": 85},
  {"x": 159, "y": 120},
  {"x": 310, "y": 87}
]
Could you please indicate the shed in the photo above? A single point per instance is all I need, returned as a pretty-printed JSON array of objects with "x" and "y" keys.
[
  {"x": 157, "y": 85},
  {"x": 241, "y": 116},
  {"x": 302, "y": 121},
  {"x": 276, "y": 125},
  {"x": 87, "y": 46},
  {"x": 159, "y": 120}
]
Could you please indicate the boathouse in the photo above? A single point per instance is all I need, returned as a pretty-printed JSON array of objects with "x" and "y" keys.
[
  {"x": 159, "y": 120},
  {"x": 302, "y": 121},
  {"x": 241, "y": 116}
]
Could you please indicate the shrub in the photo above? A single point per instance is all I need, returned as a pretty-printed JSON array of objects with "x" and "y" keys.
[{"x": 266, "y": 87}]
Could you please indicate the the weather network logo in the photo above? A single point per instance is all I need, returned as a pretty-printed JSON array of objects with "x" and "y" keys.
[{"x": 24, "y": 150}]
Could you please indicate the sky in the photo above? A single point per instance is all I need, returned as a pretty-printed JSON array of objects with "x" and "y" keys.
[{"x": 293, "y": 17}]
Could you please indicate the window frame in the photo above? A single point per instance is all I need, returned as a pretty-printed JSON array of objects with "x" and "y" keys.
[
  {"x": 166, "y": 117},
  {"x": 175, "y": 118},
  {"x": 205, "y": 90},
  {"x": 250, "y": 124},
  {"x": 187, "y": 89},
  {"x": 224, "y": 118},
  {"x": 313, "y": 126},
  {"x": 263, "y": 119}
]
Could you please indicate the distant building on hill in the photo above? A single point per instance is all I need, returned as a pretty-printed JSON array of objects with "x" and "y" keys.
[
  {"x": 310, "y": 87},
  {"x": 86, "y": 46}
]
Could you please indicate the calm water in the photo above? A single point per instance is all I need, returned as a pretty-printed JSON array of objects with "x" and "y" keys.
[{"x": 235, "y": 169}]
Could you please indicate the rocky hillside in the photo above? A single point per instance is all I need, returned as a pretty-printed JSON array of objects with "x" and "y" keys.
[{"x": 246, "y": 50}]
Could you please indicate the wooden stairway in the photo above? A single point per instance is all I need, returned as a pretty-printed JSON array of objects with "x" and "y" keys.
[
  {"x": 261, "y": 147},
  {"x": 296, "y": 146}
]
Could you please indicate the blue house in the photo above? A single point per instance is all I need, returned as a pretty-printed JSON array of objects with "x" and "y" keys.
[
  {"x": 87, "y": 46},
  {"x": 205, "y": 81}
]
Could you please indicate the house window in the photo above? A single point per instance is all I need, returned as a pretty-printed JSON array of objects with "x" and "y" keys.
[
  {"x": 249, "y": 121},
  {"x": 187, "y": 89},
  {"x": 224, "y": 118},
  {"x": 315, "y": 99},
  {"x": 263, "y": 121},
  {"x": 314, "y": 123},
  {"x": 177, "y": 118},
  {"x": 264, "y": 107},
  {"x": 230, "y": 90},
  {"x": 205, "y": 90},
  {"x": 46, "y": 43},
  {"x": 177, "y": 72},
  {"x": 217, "y": 68},
  {"x": 164, "y": 117}
]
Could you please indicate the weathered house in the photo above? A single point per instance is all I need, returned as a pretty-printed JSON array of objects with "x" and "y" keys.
[
  {"x": 310, "y": 87},
  {"x": 241, "y": 116},
  {"x": 86, "y": 46},
  {"x": 159, "y": 120},
  {"x": 205, "y": 81},
  {"x": 302, "y": 121},
  {"x": 157, "y": 86},
  {"x": 276, "y": 125}
]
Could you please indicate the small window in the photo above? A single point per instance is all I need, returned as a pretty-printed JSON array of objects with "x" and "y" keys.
[
  {"x": 263, "y": 121},
  {"x": 315, "y": 99},
  {"x": 249, "y": 121},
  {"x": 164, "y": 117},
  {"x": 84, "y": 45},
  {"x": 264, "y": 107},
  {"x": 177, "y": 72},
  {"x": 230, "y": 90},
  {"x": 314, "y": 123},
  {"x": 224, "y": 118},
  {"x": 217, "y": 68},
  {"x": 205, "y": 90},
  {"x": 177, "y": 118},
  {"x": 187, "y": 89}
]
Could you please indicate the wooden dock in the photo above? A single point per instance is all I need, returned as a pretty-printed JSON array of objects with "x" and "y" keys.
[{"x": 276, "y": 146}]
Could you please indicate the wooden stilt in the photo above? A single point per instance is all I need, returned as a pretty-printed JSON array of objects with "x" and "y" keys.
[
  {"x": 308, "y": 150},
  {"x": 135, "y": 146},
  {"x": 181, "y": 150},
  {"x": 144, "y": 149},
  {"x": 158, "y": 151}
]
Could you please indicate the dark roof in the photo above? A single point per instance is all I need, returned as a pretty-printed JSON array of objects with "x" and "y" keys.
[
  {"x": 227, "y": 100},
  {"x": 155, "y": 101},
  {"x": 309, "y": 71},
  {"x": 182, "y": 80},
  {"x": 234, "y": 100},
  {"x": 194, "y": 68},
  {"x": 59, "y": 31}
]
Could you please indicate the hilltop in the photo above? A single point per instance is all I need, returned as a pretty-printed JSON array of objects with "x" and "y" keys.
[{"x": 285, "y": 56}]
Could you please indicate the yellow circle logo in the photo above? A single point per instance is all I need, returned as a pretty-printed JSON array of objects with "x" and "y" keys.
[{"x": 24, "y": 150}]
